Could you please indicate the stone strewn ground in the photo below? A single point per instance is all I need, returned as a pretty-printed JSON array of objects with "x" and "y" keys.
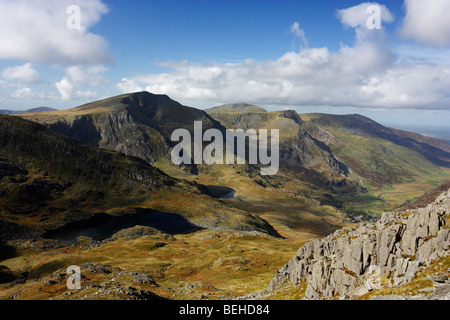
[
  {"x": 99, "y": 282},
  {"x": 350, "y": 263}
]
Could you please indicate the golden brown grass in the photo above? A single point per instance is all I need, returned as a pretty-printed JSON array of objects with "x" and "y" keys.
[{"x": 221, "y": 264}]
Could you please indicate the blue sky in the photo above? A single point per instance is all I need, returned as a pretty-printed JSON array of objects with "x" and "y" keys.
[{"x": 311, "y": 56}]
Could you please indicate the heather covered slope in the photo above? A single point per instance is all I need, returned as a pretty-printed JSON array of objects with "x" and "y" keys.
[
  {"x": 419, "y": 138},
  {"x": 47, "y": 176}
]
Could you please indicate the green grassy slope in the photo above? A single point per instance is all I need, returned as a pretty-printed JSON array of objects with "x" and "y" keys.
[{"x": 394, "y": 168}]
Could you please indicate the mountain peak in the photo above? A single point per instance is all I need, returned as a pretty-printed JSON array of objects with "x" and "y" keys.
[
  {"x": 141, "y": 98},
  {"x": 240, "y": 107},
  {"x": 138, "y": 123}
]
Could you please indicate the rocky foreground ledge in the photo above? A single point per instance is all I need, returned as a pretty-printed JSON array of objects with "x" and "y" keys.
[{"x": 385, "y": 254}]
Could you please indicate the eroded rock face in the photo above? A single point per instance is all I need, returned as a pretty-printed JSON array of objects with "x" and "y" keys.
[{"x": 348, "y": 262}]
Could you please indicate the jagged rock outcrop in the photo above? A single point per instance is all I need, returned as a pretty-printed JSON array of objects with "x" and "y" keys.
[
  {"x": 291, "y": 114},
  {"x": 349, "y": 263}
]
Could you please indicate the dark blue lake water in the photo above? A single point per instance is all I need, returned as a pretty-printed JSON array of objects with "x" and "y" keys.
[
  {"x": 221, "y": 192},
  {"x": 103, "y": 226}
]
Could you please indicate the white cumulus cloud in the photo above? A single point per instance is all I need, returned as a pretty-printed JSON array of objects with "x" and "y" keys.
[
  {"x": 358, "y": 15},
  {"x": 23, "y": 74},
  {"x": 367, "y": 74},
  {"x": 67, "y": 91},
  {"x": 36, "y": 31},
  {"x": 361, "y": 16},
  {"x": 312, "y": 76},
  {"x": 87, "y": 76},
  {"x": 24, "y": 92},
  {"x": 28, "y": 93},
  {"x": 81, "y": 76},
  {"x": 427, "y": 22},
  {"x": 65, "y": 88}
]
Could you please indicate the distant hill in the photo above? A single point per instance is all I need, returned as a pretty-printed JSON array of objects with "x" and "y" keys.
[
  {"x": 235, "y": 108},
  {"x": 435, "y": 150},
  {"x": 432, "y": 141},
  {"x": 39, "y": 109},
  {"x": 376, "y": 153}
]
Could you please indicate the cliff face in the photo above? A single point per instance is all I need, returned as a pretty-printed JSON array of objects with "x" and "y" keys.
[
  {"x": 350, "y": 263},
  {"x": 298, "y": 149}
]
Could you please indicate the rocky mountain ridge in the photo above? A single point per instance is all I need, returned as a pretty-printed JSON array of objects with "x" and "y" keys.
[
  {"x": 48, "y": 177},
  {"x": 435, "y": 150},
  {"x": 138, "y": 124},
  {"x": 385, "y": 254}
]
